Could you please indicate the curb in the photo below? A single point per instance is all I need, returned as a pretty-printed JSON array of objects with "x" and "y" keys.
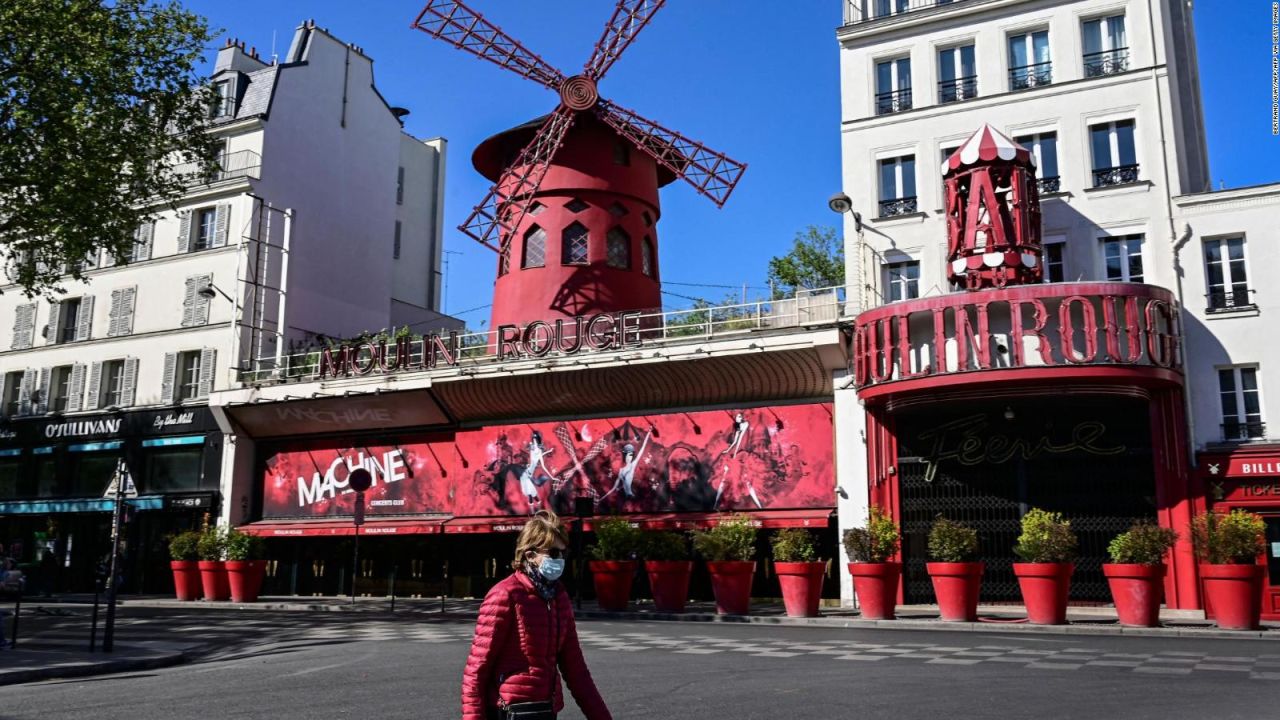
[{"x": 84, "y": 669}]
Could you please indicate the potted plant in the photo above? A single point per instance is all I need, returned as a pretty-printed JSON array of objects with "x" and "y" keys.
[
  {"x": 245, "y": 566},
  {"x": 956, "y": 575},
  {"x": 1228, "y": 545},
  {"x": 666, "y": 560},
  {"x": 799, "y": 571},
  {"x": 212, "y": 549},
  {"x": 1136, "y": 572},
  {"x": 184, "y": 555},
  {"x": 613, "y": 562},
  {"x": 1047, "y": 547},
  {"x": 875, "y": 574},
  {"x": 729, "y": 548}
]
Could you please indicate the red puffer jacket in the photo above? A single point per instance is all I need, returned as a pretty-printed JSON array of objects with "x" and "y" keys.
[{"x": 520, "y": 640}]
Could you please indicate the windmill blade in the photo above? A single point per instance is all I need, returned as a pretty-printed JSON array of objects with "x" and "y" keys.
[
  {"x": 455, "y": 23},
  {"x": 711, "y": 173},
  {"x": 495, "y": 219},
  {"x": 629, "y": 18}
]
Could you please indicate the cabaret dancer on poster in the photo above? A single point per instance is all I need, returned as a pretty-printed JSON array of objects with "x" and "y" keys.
[
  {"x": 736, "y": 442},
  {"x": 529, "y": 480},
  {"x": 630, "y": 459}
]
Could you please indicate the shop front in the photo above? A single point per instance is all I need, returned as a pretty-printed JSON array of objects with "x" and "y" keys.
[{"x": 1248, "y": 477}]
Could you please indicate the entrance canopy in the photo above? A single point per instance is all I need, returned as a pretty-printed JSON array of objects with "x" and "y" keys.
[{"x": 333, "y": 528}]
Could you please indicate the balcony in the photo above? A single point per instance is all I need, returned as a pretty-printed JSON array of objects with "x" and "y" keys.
[
  {"x": 898, "y": 206},
  {"x": 860, "y": 11},
  {"x": 1228, "y": 300},
  {"x": 1107, "y": 62},
  {"x": 1031, "y": 76},
  {"x": 1243, "y": 431},
  {"x": 965, "y": 88},
  {"x": 888, "y": 103},
  {"x": 1121, "y": 175},
  {"x": 227, "y": 166},
  {"x": 1049, "y": 185}
]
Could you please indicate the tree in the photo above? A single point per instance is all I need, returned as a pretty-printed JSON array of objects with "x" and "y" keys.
[
  {"x": 816, "y": 261},
  {"x": 102, "y": 122}
]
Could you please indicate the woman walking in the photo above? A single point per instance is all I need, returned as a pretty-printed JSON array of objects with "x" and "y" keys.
[{"x": 526, "y": 637}]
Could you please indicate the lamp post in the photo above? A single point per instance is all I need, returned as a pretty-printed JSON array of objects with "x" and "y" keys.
[{"x": 359, "y": 480}]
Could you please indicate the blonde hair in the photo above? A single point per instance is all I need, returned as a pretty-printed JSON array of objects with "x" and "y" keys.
[{"x": 539, "y": 534}]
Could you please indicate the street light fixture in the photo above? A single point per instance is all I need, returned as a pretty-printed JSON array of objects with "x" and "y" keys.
[
  {"x": 210, "y": 291},
  {"x": 841, "y": 204}
]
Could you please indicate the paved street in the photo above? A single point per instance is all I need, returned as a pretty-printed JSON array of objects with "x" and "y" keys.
[{"x": 331, "y": 665}]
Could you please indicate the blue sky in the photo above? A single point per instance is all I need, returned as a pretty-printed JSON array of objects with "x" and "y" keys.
[{"x": 745, "y": 77}]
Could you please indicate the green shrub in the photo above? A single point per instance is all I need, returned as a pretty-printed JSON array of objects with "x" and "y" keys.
[
  {"x": 616, "y": 539},
  {"x": 1233, "y": 538},
  {"x": 212, "y": 544},
  {"x": 876, "y": 542},
  {"x": 243, "y": 546},
  {"x": 664, "y": 546},
  {"x": 1046, "y": 538},
  {"x": 185, "y": 546},
  {"x": 1142, "y": 544},
  {"x": 733, "y": 538},
  {"x": 794, "y": 545},
  {"x": 952, "y": 542}
]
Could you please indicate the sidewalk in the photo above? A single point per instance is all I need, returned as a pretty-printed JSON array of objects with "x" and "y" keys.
[{"x": 44, "y": 660}]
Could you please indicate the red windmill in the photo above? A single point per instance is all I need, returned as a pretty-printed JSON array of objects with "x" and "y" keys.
[{"x": 573, "y": 207}]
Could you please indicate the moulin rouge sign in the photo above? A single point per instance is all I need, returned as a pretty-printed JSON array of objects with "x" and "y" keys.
[{"x": 605, "y": 331}]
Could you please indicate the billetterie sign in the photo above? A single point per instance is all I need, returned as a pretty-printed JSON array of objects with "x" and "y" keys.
[{"x": 604, "y": 331}]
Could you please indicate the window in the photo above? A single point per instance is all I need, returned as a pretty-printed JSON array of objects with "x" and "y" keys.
[
  {"x": 221, "y": 103},
  {"x": 206, "y": 228},
  {"x": 1122, "y": 258},
  {"x": 1115, "y": 161},
  {"x": 897, "y": 186},
  {"x": 576, "y": 205},
  {"x": 1044, "y": 148},
  {"x": 621, "y": 153},
  {"x": 60, "y": 388},
  {"x": 68, "y": 320},
  {"x": 1055, "y": 266},
  {"x": 187, "y": 381},
  {"x": 400, "y": 186},
  {"x": 537, "y": 209},
  {"x": 1029, "y": 64},
  {"x": 958, "y": 74},
  {"x": 395, "y": 243},
  {"x": 172, "y": 470},
  {"x": 646, "y": 256},
  {"x": 902, "y": 280},
  {"x": 573, "y": 249},
  {"x": 618, "y": 249},
  {"x": 1225, "y": 273},
  {"x": 893, "y": 86},
  {"x": 535, "y": 248},
  {"x": 12, "y": 393},
  {"x": 618, "y": 210},
  {"x": 890, "y": 7},
  {"x": 111, "y": 384},
  {"x": 1106, "y": 49},
  {"x": 1241, "y": 403}
]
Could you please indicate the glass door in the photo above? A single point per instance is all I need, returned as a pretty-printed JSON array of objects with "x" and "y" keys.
[{"x": 1271, "y": 592}]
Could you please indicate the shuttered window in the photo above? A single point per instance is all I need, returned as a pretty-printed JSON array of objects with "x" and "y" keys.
[{"x": 24, "y": 326}]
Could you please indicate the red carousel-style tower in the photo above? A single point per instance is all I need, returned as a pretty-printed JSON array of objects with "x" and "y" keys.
[{"x": 574, "y": 206}]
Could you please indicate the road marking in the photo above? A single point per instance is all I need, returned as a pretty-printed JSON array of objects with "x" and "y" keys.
[
  {"x": 1054, "y": 666},
  {"x": 1214, "y": 666},
  {"x": 951, "y": 661},
  {"x": 862, "y": 657},
  {"x": 1163, "y": 670}
]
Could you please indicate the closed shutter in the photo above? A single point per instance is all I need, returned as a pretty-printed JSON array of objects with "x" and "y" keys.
[
  {"x": 202, "y": 303},
  {"x": 84, "y": 321},
  {"x": 222, "y": 219},
  {"x": 189, "y": 299},
  {"x": 51, "y": 330},
  {"x": 26, "y": 389},
  {"x": 208, "y": 357},
  {"x": 75, "y": 395},
  {"x": 121, "y": 318},
  {"x": 113, "y": 315},
  {"x": 142, "y": 241},
  {"x": 41, "y": 404},
  {"x": 170, "y": 372},
  {"x": 24, "y": 326},
  {"x": 184, "y": 231},
  {"x": 129, "y": 387},
  {"x": 95, "y": 379}
]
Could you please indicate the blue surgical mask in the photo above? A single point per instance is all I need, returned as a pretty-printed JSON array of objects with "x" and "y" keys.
[{"x": 551, "y": 568}]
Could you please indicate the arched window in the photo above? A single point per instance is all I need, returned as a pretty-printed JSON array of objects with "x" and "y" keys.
[
  {"x": 618, "y": 249},
  {"x": 646, "y": 256},
  {"x": 573, "y": 249},
  {"x": 535, "y": 248}
]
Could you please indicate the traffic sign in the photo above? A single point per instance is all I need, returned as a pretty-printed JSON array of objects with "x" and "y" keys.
[{"x": 130, "y": 490}]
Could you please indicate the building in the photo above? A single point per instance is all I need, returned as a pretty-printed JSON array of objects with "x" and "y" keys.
[
  {"x": 1105, "y": 97},
  {"x": 319, "y": 197}
]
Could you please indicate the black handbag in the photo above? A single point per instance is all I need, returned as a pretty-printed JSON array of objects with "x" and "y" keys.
[{"x": 537, "y": 710}]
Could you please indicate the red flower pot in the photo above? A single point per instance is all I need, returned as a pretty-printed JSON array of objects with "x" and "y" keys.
[
  {"x": 186, "y": 579},
  {"x": 877, "y": 587},
  {"x": 731, "y": 583},
  {"x": 1044, "y": 590},
  {"x": 612, "y": 579},
  {"x": 213, "y": 577},
  {"x": 1234, "y": 594},
  {"x": 1137, "y": 591},
  {"x": 245, "y": 579},
  {"x": 669, "y": 583},
  {"x": 956, "y": 585},
  {"x": 801, "y": 586}
]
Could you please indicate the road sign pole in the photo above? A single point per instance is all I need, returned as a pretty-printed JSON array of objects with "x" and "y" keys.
[
  {"x": 109, "y": 629},
  {"x": 359, "y": 480}
]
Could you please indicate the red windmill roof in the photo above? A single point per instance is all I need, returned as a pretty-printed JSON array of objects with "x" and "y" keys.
[{"x": 984, "y": 146}]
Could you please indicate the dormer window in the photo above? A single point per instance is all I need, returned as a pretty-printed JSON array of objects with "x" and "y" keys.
[{"x": 222, "y": 103}]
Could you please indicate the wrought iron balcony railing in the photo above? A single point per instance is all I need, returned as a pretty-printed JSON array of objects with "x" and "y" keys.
[
  {"x": 965, "y": 88},
  {"x": 1121, "y": 175},
  {"x": 1048, "y": 185},
  {"x": 1240, "y": 431},
  {"x": 228, "y": 166},
  {"x": 898, "y": 206},
  {"x": 1224, "y": 300},
  {"x": 892, "y": 102},
  {"x": 858, "y": 11},
  {"x": 1031, "y": 76},
  {"x": 1107, "y": 62}
]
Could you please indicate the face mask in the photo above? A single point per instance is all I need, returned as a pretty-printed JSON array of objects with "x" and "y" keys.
[{"x": 551, "y": 568}]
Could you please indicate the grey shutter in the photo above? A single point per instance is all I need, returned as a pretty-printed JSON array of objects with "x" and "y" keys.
[
  {"x": 75, "y": 395},
  {"x": 51, "y": 330},
  {"x": 222, "y": 219},
  {"x": 24, "y": 326},
  {"x": 41, "y": 404},
  {"x": 113, "y": 315},
  {"x": 95, "y": 379},
  {"x": 189, "y": 299},
  {"x": 142, "y": 241},
  {"x": 184, "y": 231},
  {"x": 170, "y": 371},
  {"x": 26, "y": 389},
  {"x": 201, "y": 307},
  {"x": 208, "y": 356},
  {"x": 128, "y": 300},
  {"x": 84, "y": 321},
  {"x": 130, "y": 386}
]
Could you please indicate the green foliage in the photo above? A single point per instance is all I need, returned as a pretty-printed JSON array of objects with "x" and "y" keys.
[
  {"x": 816, "y": 260},
  {"x": 212, "y": 544},
  {"x": 243, "y": 546},
  {"x": 952, "y": 542},
  {"x": 1046, "y": 538},
  {"x": 876, "y": 542},
  {"x": 185, "y": 546},
  {"x": 1233, "y": 538},
  {"x": 734, "y": 538},
  {"x": 616, "y": 539},
  {"x": 664, "y": 546},
  {"x": 794, "y": 545},
  {"x": 1142, "y": 544},
  {"x": 100, "y": 110},
  {"x": 706, "y": 317}
]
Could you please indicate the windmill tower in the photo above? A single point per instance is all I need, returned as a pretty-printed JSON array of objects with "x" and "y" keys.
[{"x": 573, "y": 210}]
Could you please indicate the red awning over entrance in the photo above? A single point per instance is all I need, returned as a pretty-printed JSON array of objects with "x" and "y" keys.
[
  {"x": 810, "y": 518},
  {"x": 328, "y": 528}
]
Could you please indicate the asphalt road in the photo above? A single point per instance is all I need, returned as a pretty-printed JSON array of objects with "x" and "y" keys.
[{"x": 266, "y": 665}]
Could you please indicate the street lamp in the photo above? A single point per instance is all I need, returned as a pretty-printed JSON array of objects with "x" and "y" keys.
[
  {"x": 210, "y": 291},
  {"x": 841, "y": 204},
  {"x": 359, "y": 480}
]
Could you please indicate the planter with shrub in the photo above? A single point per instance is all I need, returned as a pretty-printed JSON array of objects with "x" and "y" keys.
[
  {"x": 875, "y": 574},
  {"x": 1227, "y": 545},
  {"x": 666, "y": 560},
  {"x": 184, "y": 556},
  {"x": 613, "y": 563},
  {"x": 799, "y": 571},
  {"x": 954, "y": 570},
  {"x": 729, "y": 549},
  {"x": 245, "y": 566},
  {"x": 1047, "y": 547},
  {"x": 1136, "y": 572},
  {"x": 212, "y": 548}
]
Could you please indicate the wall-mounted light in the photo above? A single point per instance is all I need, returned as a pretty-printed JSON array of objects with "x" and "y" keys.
[
  {"x": 1008, "y": 413},
  {"x": 841, "y": 204},
  {"x": 210, "y": 291}
]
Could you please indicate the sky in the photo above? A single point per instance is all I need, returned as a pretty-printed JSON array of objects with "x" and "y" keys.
[{"x": 756, "y": 80}]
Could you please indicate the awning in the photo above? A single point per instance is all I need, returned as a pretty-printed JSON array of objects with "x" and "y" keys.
[
  {"x": 502, "y": 523},
  {"x": 804, "y": 518},
  {"x": 46, "y": 507},
  {"x": 331, "y": 528}
]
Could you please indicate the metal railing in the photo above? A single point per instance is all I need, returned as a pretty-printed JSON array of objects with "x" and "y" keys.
[
  {"x": 1221, "y": 300},
  {"x": 227, "y": 166},
  {"x": 1121, "y": 175},
  {"x": 1238, "y": 431},
  {"x": 476, "y": 351},
  {"x": 888, "y": 103},
  {"x": 898, "y": 206},
  {"x": 965, "y": 88},
  {"x": 1049, "y": 185},
  {"x": 1107, "y": 62},
  {"x": 1031, "y": 76},
  {"x": 858, "y": 11}
]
